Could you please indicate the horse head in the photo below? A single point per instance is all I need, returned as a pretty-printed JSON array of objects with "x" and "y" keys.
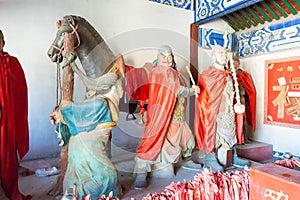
[
  {"x": 94, "y": 54},
  {"x": 66, "y": 25}
]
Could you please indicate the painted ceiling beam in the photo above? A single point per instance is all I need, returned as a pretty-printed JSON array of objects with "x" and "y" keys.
[
  {"x": 280, "y": 9},
  {"x": 298, "y": 3},
  {"x": 241, "y": 20},
  {"x": 290, "y": 7},
  {"x": 228, "y": 11},
  {"x": 263, "y": 13},
  {"x": 270, "y": 10},
  {"x": 248, "y": 17},
  {"x": 236, "y": 22},
  {"x": 233, "y": 25},
  {"x": 255, "y": 16}
]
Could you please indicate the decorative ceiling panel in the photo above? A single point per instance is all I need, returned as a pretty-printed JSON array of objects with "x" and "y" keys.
[
  {"x": 242, "y": 15},
  {"x": 209, "y": 38},
  {"x": 185, "y": 4},
  {"x": 207, "y": 10},
  {"x": 261, "y": 13},
  {"x": 270, "y": 38}
]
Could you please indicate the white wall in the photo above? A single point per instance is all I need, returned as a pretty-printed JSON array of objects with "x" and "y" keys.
[
  {"x": 131, "y": 27},
  {"x": 283, "y": 139},
  {"x": 134, "y": 28}
]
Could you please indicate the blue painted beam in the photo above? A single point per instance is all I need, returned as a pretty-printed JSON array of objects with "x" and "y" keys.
[{"x": 234, "y": 8}]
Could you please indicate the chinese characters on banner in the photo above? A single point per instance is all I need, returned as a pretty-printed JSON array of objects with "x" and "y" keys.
[
  {"x": 272, "y": 194},
  {"x": 282, "y": 102}
]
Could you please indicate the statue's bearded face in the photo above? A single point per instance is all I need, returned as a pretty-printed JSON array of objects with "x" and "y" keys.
[
  {"x": 221, "y": 56},
  {"x": 165, "y": 60}
]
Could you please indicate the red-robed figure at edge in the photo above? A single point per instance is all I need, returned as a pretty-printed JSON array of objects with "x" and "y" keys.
[
  {"x": 14, "y": 132},
  {"x": 215, "y": 115},
  {"x": 167, "y": 135}
]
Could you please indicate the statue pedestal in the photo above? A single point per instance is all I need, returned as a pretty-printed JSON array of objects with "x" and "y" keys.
[
  {"x": 225, "y": 157},
  {"x": 271, "y": 181},
  {"x": 255, "y": 151}
]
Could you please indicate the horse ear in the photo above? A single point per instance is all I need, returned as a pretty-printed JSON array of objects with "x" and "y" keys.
[
  {"x": 58, "y": 23},
  {"x": 71, "y": 20}
]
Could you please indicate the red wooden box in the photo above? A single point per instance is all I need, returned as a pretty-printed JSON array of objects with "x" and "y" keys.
[{"x": 271, "y": 181}]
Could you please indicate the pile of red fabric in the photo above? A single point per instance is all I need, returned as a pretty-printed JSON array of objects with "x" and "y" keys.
[
  {"x": 208, "y": 185},
  {"x": 103, "y": 197},
  {"x": 289, "y": 163}
]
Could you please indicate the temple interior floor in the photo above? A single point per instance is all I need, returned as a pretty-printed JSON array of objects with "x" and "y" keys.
[
  {"x": 123, "y": 159},
  {"x": 38, "y": 187},
  {"x": 126, "y": 137}
]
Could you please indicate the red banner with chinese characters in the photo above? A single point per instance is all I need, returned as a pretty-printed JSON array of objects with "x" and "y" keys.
[{"x": 282, "y": 102}]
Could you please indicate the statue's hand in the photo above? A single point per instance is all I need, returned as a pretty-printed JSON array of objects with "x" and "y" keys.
[
  {"x": 54, "y": 117},
  {"x": 196, "y": 88},
  {"x": 90, "y": 94}
]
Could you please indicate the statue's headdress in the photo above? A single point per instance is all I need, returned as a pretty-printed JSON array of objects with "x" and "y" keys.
[{"x": 165, "y": 50}]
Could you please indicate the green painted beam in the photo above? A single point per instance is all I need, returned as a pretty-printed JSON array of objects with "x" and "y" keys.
[
  {"x": 248, "y": 17},
  {"x": 231, "y": 24},
  {"x": 237, "y": 23},
  {"x": 241, "y": 20},
  {"x": 290, "y": 7},
  {"x": 262, "y": 12},
  {"x": 255, "y": 16},
  {"x": 297, "y": 2},
  {"x": 270, "y": 10},
  {"x": 280, "y": 9}
]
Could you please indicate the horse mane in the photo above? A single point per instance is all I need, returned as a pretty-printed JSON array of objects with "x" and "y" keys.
[
  {"x": 94, "y": 54},
  {"x": 90, "y": 28}
]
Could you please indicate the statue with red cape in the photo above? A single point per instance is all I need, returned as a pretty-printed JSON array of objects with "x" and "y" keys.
[{"x": 167, "y": 136}]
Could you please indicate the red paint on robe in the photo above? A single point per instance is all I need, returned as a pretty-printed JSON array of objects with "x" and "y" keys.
[
  {"x": 14, "y": 132},
  {"x": 211, "y": 83},
  {"x": 244, "y": 78},
  {"x": 164, "y": 83}
]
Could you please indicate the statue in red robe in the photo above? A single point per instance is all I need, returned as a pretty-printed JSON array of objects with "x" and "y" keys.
[
  {"x": 14, "y": 132},
  {"x": 248, "y": 98},
  {"x": 167, "y": 135},
  {"x": 215, "y": 125}
]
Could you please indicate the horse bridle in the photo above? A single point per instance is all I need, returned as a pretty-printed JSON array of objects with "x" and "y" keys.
[
  {"x": 58, "y": 79},
  {"x": 74, "y": 28}
]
